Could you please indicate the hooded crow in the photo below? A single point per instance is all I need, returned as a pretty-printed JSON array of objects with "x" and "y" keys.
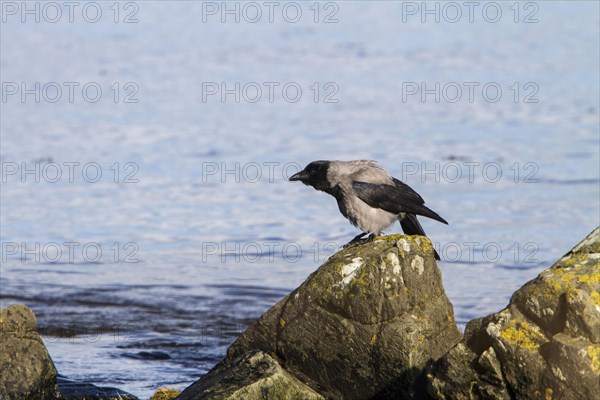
[{"x": 368, "y": 196}]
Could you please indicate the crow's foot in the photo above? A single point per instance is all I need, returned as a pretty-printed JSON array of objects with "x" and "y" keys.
[{"x": 359, "y": 239}]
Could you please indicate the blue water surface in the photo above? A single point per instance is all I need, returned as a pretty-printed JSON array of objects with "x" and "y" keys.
[{"x": 198, "y": 228}]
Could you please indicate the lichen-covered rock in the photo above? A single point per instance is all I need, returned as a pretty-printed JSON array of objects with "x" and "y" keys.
[
  {"x": 544, "y": 345},
  {"x": 26, "y": 370},
  {"x": 165, "y": 394},
  {"x": 365, "y": 324},
  {"x": 255, "y": 375}
]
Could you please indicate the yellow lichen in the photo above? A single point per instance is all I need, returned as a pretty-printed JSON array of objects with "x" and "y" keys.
[
  {"x": 471, "y": 387},
  {"x": 590, "y": 279},
  {"x": 523, "y": 335},
  {"x": 580, "y": 267},
  {"x": 165, "y": 394},
  {"x": 374, "y": 339},
  {"x": 569, "y": 280},
  {"x": 594, "y": 354},
  {"x": 548, "y": 394},
  {"x": 282, "y": 322},
  {"x": 392, "y": 237},
  {"x": 596, "y": 297}
]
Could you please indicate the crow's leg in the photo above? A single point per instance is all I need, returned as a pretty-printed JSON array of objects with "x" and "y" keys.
[
  {"x": 357, "y": 239},
  {"x": 370, "y": 238}
]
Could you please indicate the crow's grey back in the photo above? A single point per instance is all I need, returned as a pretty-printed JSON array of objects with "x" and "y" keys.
[{"x": 343, "y": 173}]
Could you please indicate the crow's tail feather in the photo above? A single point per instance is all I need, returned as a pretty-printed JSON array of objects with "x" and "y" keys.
[
  {"x": 429, "y": 213},
  {"x": 411, "y": 226}
]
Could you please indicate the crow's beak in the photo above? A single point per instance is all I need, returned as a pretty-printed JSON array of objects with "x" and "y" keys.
[{"x": 300, "y": 176}]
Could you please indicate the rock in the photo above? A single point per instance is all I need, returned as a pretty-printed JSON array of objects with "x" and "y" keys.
[
  {"x": 544, "y": 345},
  {"x": 27, "y": 372},
  {"x": 365, "y": 324},
  {"x": 255, "y": 375},
  {"x": 73, "y": 390},
  {"x": 165, "y": 394}
]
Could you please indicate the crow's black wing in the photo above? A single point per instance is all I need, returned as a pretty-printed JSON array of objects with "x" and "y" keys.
[
  {"x": 409, "y": 192},
  {"x": 396, "y": 199}
]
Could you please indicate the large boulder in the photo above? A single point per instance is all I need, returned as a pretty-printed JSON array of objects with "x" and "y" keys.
[
  {"x": 365, "y": 324},
  {"x": 26, "y": 370},
  {"x": 544, "y": 345}
]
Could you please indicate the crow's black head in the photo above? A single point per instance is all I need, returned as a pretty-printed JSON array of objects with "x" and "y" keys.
[{"x": 315, "y": 175}]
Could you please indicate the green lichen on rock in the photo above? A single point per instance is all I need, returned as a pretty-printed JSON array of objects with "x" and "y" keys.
[
  {"x": 165, "y": 394},
  {"x": 255, "y": 375},
  {"x": 365, "y": 324},
  {"x": 27, "y": 372},
  {"x": 545, "y": 344}
]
